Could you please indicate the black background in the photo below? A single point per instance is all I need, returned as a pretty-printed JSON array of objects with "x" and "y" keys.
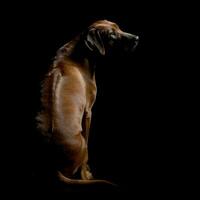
[{"x": 135, "y": 136}]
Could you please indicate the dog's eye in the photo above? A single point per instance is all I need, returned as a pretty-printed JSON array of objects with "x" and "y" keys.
[{"x": 113, "y": 36}]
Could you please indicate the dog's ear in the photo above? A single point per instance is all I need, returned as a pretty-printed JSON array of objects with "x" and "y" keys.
[{"x": 94, "y": 41}]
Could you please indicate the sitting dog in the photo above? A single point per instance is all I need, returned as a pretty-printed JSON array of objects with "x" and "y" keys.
[{"x": 68, "y": 94}]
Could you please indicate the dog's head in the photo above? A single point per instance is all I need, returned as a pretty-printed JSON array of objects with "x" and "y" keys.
[{"x": 104, "y": 36}]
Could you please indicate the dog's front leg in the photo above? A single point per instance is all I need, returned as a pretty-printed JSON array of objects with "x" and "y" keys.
[
  {"x": 86, "y": 121},
  {"x": 85, "y": 170}
]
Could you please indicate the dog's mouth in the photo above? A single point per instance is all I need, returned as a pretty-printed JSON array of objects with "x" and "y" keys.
[
  {"x": 134, "y": 46},
  {"x": 134, "y": 43},
  {"x": 131, "y": 46}
]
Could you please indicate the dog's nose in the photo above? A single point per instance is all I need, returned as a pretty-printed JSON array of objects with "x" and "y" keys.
[{"x": 136, "y": 37}]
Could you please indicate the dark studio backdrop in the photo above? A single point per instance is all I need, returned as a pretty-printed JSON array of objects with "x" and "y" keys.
[{"x": 136, "y": 113}]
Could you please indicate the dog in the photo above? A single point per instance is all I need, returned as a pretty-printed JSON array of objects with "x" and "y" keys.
[{"x": 68, "y": 94}]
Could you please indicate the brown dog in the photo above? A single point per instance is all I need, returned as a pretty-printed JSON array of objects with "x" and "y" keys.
[{"x": 69, "y": 92}]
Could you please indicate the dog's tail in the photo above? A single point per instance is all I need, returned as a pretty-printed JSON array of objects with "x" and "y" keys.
[{"x": 69, "y": 181}]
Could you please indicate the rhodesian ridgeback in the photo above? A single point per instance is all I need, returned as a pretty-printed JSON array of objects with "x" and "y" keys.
[{"x": 68, "y": 94}]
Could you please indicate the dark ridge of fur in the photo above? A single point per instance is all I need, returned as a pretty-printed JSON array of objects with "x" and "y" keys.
[
  {"x": 65, "y": 51},
  {"x": 44, "y": 117}
]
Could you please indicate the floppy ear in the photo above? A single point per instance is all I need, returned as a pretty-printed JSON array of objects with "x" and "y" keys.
[{"x": 94, "y": 41}]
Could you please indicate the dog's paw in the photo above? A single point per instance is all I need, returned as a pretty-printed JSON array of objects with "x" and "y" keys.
[
  {"x": 85, "y": 173},
  {"x": 89, "y": 175}
]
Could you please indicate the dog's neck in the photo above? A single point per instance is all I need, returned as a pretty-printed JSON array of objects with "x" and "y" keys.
[{"x": 77, "y": 52}]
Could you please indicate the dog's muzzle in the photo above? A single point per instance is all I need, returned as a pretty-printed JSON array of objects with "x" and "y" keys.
[{"x": 130, "y": 41}]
